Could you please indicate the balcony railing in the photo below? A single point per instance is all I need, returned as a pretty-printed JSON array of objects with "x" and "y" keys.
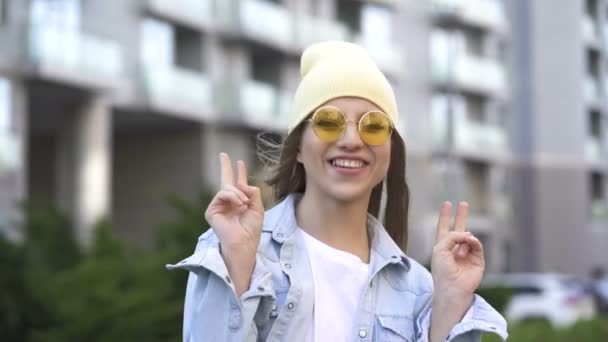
[
  {"x": 388, "y": 56},
  {"x": 74, "y": 55},
  {"x": 594, "y": 150},
  {"x": 266, "y": 22},
  {"x": 592, "y": 90},
  {"x": 599, "y": 209},
  {"x": 590, "y": 30},
  {"x": 10, "y": 153},
  {"x": 194, "y": 12},
  {"x": 179, "y": 90},
  {"x": 470, "y": 136},
  {"x": 264, "y": 106},
  {"x": 471, "y": 72},
  {"x": 473, "y": 136},
  {"x": 256, "y": 104},
  {"x": 486, "y": 13},
  {"x": 312, "y": 29}
]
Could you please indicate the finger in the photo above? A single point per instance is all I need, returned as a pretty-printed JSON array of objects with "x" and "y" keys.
[
  {"x": 443, "y": 224},
  {"x": 241, "y": 195},
  {"x": 241, "y": 173},
  {"x": 226, "y": 169},
  {"x": 255, "y": 195},
  {"x": 462, "y": 250},
  {"x": 460, "y": 224},
  {"x": 452, "y": 239},
  {"x": 474, "y": 244},
  {"x": 229, "y": 197}
]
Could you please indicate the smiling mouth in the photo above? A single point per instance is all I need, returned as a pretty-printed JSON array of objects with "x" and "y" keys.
[{"x": 348, "y": 163}]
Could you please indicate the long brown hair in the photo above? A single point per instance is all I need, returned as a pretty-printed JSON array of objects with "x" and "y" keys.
[{"x": 287, "y": 176}]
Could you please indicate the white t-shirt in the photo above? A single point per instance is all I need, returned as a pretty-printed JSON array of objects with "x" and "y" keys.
[{"x": 339, "y": 279}]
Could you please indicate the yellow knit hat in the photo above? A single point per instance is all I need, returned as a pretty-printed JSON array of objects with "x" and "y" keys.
[{"x": 335, "y": 69}]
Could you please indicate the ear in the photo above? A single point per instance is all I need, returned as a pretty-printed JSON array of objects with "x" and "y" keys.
[{"x": 299, "y": 157}]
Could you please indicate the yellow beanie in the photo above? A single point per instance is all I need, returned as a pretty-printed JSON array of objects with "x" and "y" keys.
[{"x": 335, "y": 69}]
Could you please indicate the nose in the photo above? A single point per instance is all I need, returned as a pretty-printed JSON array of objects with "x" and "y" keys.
[{"x": 350, "y": 140}]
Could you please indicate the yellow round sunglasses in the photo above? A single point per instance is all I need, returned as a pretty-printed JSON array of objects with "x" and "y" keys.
[{"x": 329, "y": 124}]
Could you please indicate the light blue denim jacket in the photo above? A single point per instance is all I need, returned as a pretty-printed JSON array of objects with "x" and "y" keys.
[{"x": 278, "y": 305}]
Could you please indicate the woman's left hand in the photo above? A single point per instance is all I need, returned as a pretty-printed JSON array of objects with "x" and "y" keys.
[
  {"x": 457, "y": 267},
  {"x": 457, "y": 262}
]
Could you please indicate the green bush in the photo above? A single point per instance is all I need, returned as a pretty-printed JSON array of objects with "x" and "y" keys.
[
  {"x": 594, "y": 330},
  {"x": 51, "y": 291},
  {"x": 496, "y": 296}
]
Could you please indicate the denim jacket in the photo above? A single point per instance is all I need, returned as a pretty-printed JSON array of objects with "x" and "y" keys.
[{"x": 278, "y": 305}]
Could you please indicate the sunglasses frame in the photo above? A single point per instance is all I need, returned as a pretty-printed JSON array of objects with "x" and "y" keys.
[{"x": 358, "y": 122}]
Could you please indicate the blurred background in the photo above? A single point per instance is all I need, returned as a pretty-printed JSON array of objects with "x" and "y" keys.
[{"x": 112, "y": 114}]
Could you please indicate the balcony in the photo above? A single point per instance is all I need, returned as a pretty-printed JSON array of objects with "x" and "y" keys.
[
  {"x": 314, "y": 29},
  {"x": 594, "y": 150},
  {"x": 481, "y": 13},
  {"x": 470, "y": 136},
  {"x": 74, "y": 57},
  {"x": 474, "y": 136},
  {"x": 386, "y": 54},
  {"x": 180, "y": 91},
  {"x": 262, "y": 21},
  {"x": 470, "y": 73},
  {"x": 599, "y": 209},
  {"x": 256, "y": 104},
  {"x": 193, "y": 13},
  {"x": 11, "y": 151},
  {"x": 592, "y": 91}
]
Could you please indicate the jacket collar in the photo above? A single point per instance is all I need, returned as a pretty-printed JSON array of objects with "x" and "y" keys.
[{"x": 281, "y": 222}]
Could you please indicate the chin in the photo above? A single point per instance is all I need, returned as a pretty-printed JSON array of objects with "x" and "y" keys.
[{"x": 347, "y": 193}]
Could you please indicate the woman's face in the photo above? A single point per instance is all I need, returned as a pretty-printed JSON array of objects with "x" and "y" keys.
[{"x": 347, "y": 169}]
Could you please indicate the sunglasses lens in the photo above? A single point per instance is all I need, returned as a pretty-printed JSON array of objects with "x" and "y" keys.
[
  {"x": 328, "y": 123},
  {"x": 375, "y": 128}
]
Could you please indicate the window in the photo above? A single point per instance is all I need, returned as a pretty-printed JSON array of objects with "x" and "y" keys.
[
  {"x": 595, "y": 125},
  {"x": 527, "y": 290},
  {"x": 477, "y": 181},
  {"x": 164, "y": 44},
  {"x": 188, "y": 49},
  {"x": 349, "y": 13},
  {"x": 599, "y": 199},
  {"x": 59, "y": 14}
]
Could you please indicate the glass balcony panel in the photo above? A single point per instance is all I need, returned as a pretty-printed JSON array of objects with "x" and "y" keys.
[
  {"x": 488, "y": 13},
  {"x": 193, "y": 11},
  {"x": 267, "y": 22},
  {"x": 477, "y": 136},
  {"x": 593, "y": 149},
  {"x": 312, "y": 29},
  {"x": 179, "y": 89},
  {"x": 75, "y": 53}
]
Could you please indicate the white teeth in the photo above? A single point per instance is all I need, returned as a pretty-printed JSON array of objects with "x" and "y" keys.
[{"x": 351, "y": 164}]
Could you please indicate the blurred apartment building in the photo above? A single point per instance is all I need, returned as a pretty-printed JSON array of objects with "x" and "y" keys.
[
  {"x": 560, "y": 134},
  {"x": 106, "y": 107}
]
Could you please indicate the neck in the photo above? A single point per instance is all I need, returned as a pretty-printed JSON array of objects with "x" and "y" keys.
[{"x": 341, "y": 225}]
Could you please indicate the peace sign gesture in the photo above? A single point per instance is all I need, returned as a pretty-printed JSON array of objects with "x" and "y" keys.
[
  {"x": 457, "y": 262},
  {"x": 236, "y": 212}
]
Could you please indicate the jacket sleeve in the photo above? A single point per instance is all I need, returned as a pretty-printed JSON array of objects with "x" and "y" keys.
[
  {"x": 212, "y": 311},
  {"x": 481, "y": 317}
]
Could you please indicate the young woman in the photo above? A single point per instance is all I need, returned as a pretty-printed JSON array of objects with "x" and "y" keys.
[{"x": 326, "y": 263}]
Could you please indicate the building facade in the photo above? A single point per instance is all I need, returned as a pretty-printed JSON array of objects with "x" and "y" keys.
[{"x": 109, "y": 106}]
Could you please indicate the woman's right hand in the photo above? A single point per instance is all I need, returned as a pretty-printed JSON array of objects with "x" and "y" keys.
[{"x": 236, "y": 213}]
